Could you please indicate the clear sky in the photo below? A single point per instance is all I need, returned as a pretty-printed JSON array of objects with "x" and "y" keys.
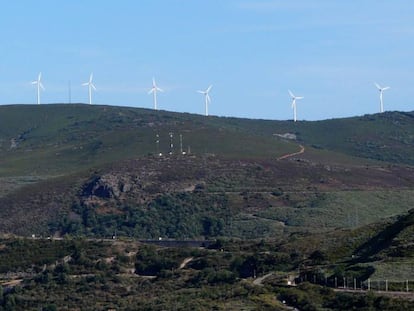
[{"x": 329, "y": 51}]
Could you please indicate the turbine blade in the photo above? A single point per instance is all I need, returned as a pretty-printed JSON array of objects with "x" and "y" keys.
[
  {"x": 90, "y": 78},
  {"x": 291, "y": 94},
  {"x": 158, "y": 89},
  {"x": 41, "y": 86},
  {"x": 208, "y": 98},
  {"x": 39, "y": 76},
  {"x": 151, "y": 91},
  {"x": 209, "y": 88},
  {"x": 386, "y": 88},
  {"x": 85, "y": 84},
  {"x": 93, "y": 86},
  {"x": 201, "y": 92},
  {"x": 33, "y": 82},
  {"x": 300, "y": 97},
  {"x": 377, "y": 85}
]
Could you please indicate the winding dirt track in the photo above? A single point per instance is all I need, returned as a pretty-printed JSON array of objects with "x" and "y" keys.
[
  {"x": 259, "y": 281},
  {"x": 185, "y": 262},
  {"x": 302, "y": 150}
]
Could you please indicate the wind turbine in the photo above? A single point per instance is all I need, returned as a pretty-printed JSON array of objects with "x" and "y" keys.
[
  {"x": 39, "y": 86},
  {"x": 294, "y": 98},
  {"x": 154, "y": 90},
  {"x": 206, "y": 97},
  {"x": 90, "y": 86},
  {"x": 381, "y": 90}
]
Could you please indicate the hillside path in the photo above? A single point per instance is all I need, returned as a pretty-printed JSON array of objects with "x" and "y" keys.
[
  {"x": 185, "y": 262},
  {"x": 259, "y": 281},
  {"x": 302, "y": 150}
]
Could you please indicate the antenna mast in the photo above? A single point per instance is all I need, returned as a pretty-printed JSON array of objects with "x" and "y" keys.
[
  {"x": 157, "y": 143},
  {"x": 171, "y": 142}
]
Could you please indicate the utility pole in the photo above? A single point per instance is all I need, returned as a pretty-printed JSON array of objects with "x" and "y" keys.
[{"x": 181, "y": 143}]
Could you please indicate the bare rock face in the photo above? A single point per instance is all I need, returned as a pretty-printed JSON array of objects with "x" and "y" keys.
[
  {"x": 108, "y": 186},
  {"x": 138, "y": 183}
]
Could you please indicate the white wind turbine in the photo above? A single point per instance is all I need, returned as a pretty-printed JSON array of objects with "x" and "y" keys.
[
  {"x": 206, "y": 98},
  {"x": 39, "y": 86},
  {"x": 294, "y": 98},
  {"x": 90, "y": 86},
  {"x": 381, "y": 90},
  {"x": 154, "y": 90}
]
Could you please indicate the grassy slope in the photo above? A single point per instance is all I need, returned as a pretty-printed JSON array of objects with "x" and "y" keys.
[
  {"x": 56, "y": 139},
  {"x": 328, "y": 189},
  {"x": 386, "y": 137}
]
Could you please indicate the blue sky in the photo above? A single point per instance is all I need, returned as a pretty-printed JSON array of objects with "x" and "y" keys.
[{"x": 329, "y": 51}]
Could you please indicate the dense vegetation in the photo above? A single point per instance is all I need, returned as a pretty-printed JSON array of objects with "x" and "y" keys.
[
  {"x": 339, "y": 213},
  {"x": 126, "y": 275}
]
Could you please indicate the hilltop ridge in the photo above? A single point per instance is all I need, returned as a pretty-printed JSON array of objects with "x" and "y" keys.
[{"x": 94, "y": 170}]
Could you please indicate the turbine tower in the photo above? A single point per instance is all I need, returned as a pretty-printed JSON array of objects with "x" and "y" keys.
[
  {"x": 90, "y": 86},
  {"x": 206, "y": 98},
  {"x": 39, "y": 86},
  {"x": 294, "y": 98},
  {"x": 381, "y": 90},
  {"x": 154, "y": 90}
]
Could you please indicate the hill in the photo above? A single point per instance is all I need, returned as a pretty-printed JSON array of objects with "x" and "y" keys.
[
  {"x": 56, "y": 139},
  {"x": 95, "y": 170},
  {"x": 386, "y": 137},
  {"x": 231, "y": 274}
]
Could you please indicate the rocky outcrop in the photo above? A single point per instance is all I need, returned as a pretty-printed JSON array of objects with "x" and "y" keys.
[{"x": 109, "y": 186}]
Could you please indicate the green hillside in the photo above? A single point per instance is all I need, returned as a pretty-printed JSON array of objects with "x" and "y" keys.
[
  {"x": 386, "y": 137},
  {"x": 95, "y": 170},
  {"x": 56, "y": 139}
]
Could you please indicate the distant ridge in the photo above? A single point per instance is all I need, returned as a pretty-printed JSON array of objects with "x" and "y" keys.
[{"x": 72, "y": 136}]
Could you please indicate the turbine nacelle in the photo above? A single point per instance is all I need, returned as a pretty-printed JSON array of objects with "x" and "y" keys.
[
  {"x": 154, "y": 88},
  {"x": 381, "y": 89}
]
